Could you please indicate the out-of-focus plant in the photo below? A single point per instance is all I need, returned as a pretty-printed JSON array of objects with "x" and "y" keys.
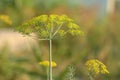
[
  {"x": 70, "y": 75},
  {"x": 95, "y": 67},
  {"x": 7, "y": 66},
  {"x": 47, "y": 27},
  {"x": 6, "y": 19}
]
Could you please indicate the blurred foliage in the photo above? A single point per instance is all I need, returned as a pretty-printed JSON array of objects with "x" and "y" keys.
[
  {"x": 101, "y": 41},
  {"x": 5, "y": 19}
]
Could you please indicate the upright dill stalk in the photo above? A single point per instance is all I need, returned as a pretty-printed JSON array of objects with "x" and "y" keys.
[
  {"x": 48, "y": 27},
  {"x": 50, "y": 59}
]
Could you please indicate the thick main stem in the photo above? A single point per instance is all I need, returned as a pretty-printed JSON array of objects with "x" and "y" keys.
[{"x": 50, "y": 60}]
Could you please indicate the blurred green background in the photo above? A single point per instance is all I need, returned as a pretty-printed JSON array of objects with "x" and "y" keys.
[{"x": 19, "y": 56}]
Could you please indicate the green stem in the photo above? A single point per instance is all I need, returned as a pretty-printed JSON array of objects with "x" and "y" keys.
[
  {"x": 57, "y": 30},
  {"x": 50, "y": 60},
  {"x": 47, "y": 73},
  {"x": 43, "y": 39},
  {"x": 91, "y": 77}
]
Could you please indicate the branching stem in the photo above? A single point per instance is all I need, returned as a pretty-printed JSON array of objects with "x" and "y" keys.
[
  {"x": 43, "y": 39},
  {"x": 57, "y": 30}
]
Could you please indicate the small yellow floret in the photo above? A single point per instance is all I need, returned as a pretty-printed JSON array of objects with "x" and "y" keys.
[{"x": 46, "y": 63}]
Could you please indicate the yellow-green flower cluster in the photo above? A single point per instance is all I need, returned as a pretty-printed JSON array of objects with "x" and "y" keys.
[
  {"x": 51, "y": 25},
  {"x": 47, "y": 63},
  {"x": 96, "y": 67},
  {"x": 59, "y": 19},
  {"x": 6, "y": 19}
]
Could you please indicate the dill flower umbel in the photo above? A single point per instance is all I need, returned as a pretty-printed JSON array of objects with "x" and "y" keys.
[
  {"x": 54, "y": 25},
  {"x": 96, "y": 67},
  {"x": 6, "y": 19},
  {"x": 46, "y": 63}
]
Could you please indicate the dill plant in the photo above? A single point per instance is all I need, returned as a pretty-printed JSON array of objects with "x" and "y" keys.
[
  {"x": 47, "y": 27},
  {"x": 70, "y": 75},
  {"x": 95, "y": 67}
]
